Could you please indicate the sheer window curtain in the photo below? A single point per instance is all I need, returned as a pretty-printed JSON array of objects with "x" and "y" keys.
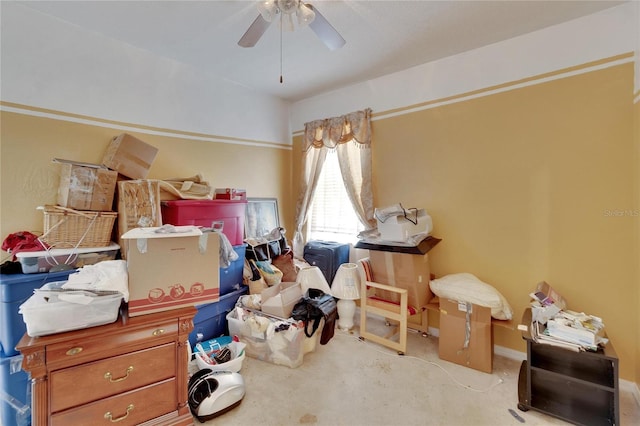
[{"x": 350, "y": 136}]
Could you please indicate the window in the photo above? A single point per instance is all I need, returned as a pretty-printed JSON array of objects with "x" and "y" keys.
[{"x": 332, "y": 218}]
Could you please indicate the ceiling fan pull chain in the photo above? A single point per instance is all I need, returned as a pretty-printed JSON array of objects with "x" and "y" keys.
[{"x": 281, "y": 48}]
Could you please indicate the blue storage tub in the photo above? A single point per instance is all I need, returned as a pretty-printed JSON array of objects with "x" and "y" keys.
[
  {"x": 14, "y": 290},
  {"x": 231, "y": 277},
  {"x": 211, "y": 319},
  {"x": 15, "y": 393}
]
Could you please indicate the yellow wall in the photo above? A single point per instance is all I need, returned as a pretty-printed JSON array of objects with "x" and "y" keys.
[
  {"x": 30, "y": 179},
  {"x": 527, "y": 185}
]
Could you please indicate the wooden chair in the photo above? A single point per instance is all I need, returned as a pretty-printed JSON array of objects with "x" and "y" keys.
[{"x": 371, "y": 303}]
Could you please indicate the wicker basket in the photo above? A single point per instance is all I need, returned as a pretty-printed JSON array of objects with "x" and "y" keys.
[{"x": 65, "y": 227}]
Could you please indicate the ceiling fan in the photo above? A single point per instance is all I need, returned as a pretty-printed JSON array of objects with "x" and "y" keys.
[{"x": 285, "y": 9}]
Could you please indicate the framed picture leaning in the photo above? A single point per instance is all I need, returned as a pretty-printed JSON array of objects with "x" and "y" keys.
[{"x": 261, "y": 217}]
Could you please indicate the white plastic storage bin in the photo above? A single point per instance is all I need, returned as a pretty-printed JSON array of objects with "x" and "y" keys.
[
  {"x": 33, "y": 262},
  {"x": 272, "y": 339},
  {"x": 47, "y": 313},
  {"x": 205, "y": 352}
]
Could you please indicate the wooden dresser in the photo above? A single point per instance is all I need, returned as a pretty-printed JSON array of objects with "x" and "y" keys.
[{"x": 131, "y": 372}]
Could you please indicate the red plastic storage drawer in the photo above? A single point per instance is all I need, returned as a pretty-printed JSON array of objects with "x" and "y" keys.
[{"x": 206, "y": 213}]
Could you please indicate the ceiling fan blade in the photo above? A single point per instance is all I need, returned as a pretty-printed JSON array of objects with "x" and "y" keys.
[
  {"x": 325, "y": 31},
  {"x": 254, "y": 32}
]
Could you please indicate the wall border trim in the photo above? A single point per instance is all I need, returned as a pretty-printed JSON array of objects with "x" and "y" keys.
[
  {"x": 93, "y": 121},
  {"x": 511, "y": 85}
]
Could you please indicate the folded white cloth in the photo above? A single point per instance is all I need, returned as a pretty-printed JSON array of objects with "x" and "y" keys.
[{"x": 105, "y": 275}]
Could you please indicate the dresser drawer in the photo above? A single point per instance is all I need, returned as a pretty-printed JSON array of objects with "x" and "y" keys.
[
  {"x": 74, "y": 352},
  {"x": 129, "y": 408},
  {"x": 88, "y": 382}
]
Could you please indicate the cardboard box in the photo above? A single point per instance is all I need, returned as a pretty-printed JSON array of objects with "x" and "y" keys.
[
  {"x": 129, "y": 156},
  {"x": 86, "y": 186},
  {"x": 230, "y": 194},
  {"x": 280, "y": 299},
  {"x": 169, "y": 271},
  {"x": 403, "y": 270},
  {"x": 400, "y": 228},
  {"x": 138, "y": 206},
  {"x": 477, "y": 353}
]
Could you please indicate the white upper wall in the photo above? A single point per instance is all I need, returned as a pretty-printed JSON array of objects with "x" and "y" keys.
[
  {"x": 51, "y": 64},
  {"x": 597, "y": 36},
  {"x": 48, "y": 63}
]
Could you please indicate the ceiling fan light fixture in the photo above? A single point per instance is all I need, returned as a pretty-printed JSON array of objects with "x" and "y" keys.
[
  {"x": 288, "y": 6},
  {"x": 268, "y": 9},
  {"x": 305, "y": 15}
]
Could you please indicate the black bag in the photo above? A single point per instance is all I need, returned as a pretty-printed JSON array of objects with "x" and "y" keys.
[
  {"x": 268, "y": 250},
  {"x": 263, "y": 251},
  {"x": 312, "y": 308}
]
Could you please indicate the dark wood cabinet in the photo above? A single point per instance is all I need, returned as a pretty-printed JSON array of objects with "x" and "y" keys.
[
  {"x": 133, "y": 371},
  {"x": 578, "y": 387}
]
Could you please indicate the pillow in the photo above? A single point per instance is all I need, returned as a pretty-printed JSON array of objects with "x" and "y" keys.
[
  {"x": 468, "y": 288},
  {"x": 285, "y": 264}
]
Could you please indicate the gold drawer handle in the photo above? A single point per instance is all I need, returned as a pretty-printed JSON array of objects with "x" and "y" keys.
[
  {"x": 107, "y": 375},
  {"x": 74, "y": 351},
  {"x": 158, "y": 332},
  {"x": 108, "y": 415}
]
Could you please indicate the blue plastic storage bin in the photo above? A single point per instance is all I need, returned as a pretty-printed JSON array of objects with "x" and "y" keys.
[
  {"x": 14, "y": 290},
  {"x": 231, "y": 277},
  {"x": 211, "y": 319},
  {"x": 15, "y": 393}
]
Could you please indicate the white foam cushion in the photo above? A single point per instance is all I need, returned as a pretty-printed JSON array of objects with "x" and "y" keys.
[{"x": 467, "y": 287}]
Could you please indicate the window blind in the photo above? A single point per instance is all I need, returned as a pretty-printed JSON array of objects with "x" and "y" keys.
[{"x": 332, "y": 217}]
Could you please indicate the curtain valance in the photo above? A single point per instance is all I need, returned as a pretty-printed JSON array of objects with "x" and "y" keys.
[{"x": 329, "y": 132}]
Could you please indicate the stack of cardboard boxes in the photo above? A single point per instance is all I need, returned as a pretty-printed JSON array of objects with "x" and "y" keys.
[{"x": 465, "y": 331}]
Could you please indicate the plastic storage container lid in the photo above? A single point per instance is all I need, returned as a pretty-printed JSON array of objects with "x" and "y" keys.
[{"x": 66, "y": 251}]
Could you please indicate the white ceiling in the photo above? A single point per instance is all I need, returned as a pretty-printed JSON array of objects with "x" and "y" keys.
[{"x": 381, "y": 36}]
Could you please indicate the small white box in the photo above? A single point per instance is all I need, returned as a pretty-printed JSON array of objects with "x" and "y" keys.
[
  {"x": 35, "y": 262},
  {"x": 45, "y": 313},
  {"x": 279, "y": 300},
  {"x": 400, "y": 228}
]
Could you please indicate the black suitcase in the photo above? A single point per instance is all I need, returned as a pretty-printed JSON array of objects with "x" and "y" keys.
[{"x": 326, "y": 255}]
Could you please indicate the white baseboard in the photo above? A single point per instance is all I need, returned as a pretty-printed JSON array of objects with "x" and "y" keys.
[
  {"x": 633, "y": 388},
  {"x": 509, "y": 353}
]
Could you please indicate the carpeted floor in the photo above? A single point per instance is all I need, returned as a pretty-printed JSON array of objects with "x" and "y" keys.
[{"x": 353, "y": 382}]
